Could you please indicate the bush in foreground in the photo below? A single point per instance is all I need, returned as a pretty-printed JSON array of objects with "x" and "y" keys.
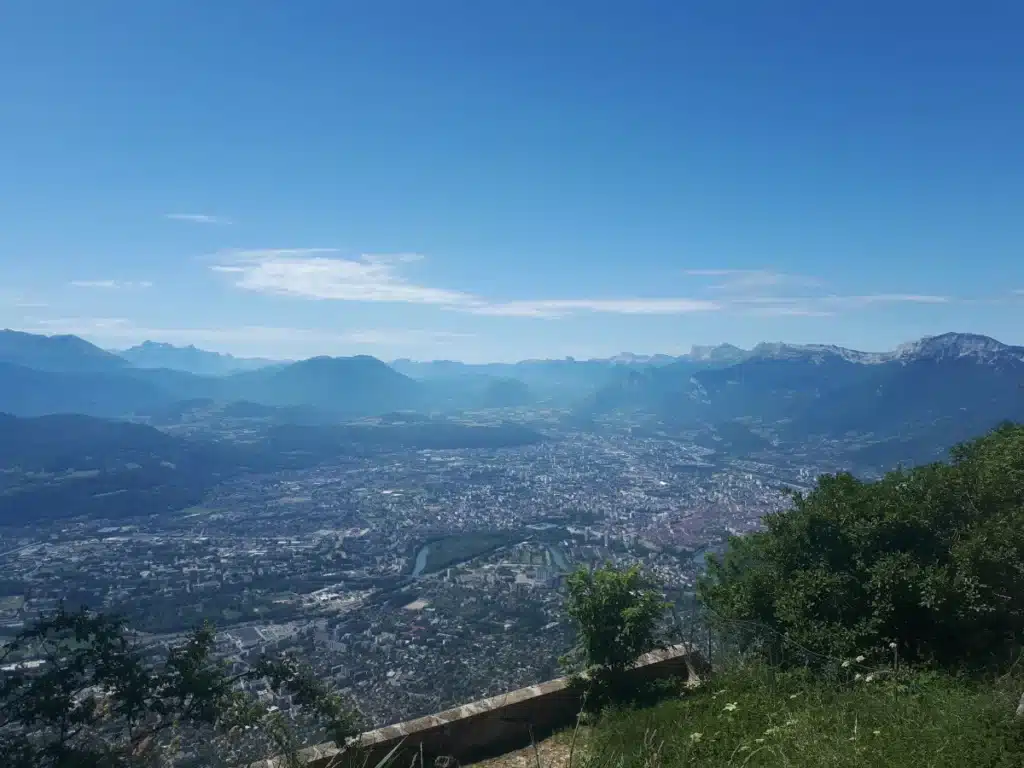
[
  {"x": 931, "y": 559},
  {"x": 617, "y": 615}
]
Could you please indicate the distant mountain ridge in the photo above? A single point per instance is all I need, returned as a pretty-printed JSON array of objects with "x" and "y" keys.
[
  {"x": 938, "y": 390},
  {"x": 63, "y": 353},
  {"x": 814, "y": 387},
  {"x": 191, "y": 359},
  {"x": 42, "y": 375}
]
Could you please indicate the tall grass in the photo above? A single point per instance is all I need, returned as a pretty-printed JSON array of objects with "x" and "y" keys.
[{"x": 755, "y": 715}]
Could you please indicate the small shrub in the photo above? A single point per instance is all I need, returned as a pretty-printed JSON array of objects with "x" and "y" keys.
[{"x": 617, "y": 613}]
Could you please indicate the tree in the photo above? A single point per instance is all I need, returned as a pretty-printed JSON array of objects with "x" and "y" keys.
[
  {"x": 617, "y": 614},
  {"x": 97, "y": 701},
  {"x": 930, "y": 558}
]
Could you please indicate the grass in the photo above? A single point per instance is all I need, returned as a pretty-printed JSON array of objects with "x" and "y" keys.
[{"x": 756, "y": 716}]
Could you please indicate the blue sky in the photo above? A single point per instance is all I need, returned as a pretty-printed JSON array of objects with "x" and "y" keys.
[{"x": 491, "y": 180}]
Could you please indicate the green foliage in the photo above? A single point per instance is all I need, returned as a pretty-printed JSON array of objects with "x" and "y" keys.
[
  {"x": 931, "y": 559},
  {"x": 97, "y": 701},
  {"x": 617, "y": 614},
  {"x": 757, "y": 715}
]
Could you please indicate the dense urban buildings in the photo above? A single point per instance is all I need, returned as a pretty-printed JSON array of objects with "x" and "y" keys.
[{"x": 413, "y": 580}]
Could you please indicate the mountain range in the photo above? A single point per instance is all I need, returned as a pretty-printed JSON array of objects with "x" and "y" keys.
[
  {"x": 914, "y": 401},
  {"x": 153, "y": 354},
  {"x": 951, "y": 383}
]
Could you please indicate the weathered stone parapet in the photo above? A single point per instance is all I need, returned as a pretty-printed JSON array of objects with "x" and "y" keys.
[{"x": 495, "y": 725}]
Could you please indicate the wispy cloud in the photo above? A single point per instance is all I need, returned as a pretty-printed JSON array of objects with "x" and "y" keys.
[
  {"x": 742, "y": 281},
  {"x": 561, "y": 307},
  {"x": 326, "y": 274},
  {"x": 29, "y": 304},
  {"x": 319, "y": 273},
  {"x": 765, "y": 292},
  {"x": 311, "y": 274},
  {"x": 790, "y": 311},
  {"x": 198, "y": 218},
  {"x": 111, "y": 284},
  {"x": 886, "y": 298}
]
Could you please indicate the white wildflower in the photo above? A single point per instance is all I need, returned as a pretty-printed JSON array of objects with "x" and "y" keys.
[
  {"x": 846, "y": 663},
  {"x": 859, "y": 659},
  {"x": 696, "y": 736},
  {"x": 731, "y": 706}
]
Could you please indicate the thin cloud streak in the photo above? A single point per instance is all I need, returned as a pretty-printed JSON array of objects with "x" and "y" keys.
[
  {"x": 740, "y": 281},
  {"x": 555, "y": 308},
  {"x": 198, "y": 218},
  {"x": 111, "y": 284},
  {"x": 887, "y": 298},
  {"x": 790, "y": 312}
]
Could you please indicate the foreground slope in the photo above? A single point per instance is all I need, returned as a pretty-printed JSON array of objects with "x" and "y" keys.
[{"x": 755, "y": 716}]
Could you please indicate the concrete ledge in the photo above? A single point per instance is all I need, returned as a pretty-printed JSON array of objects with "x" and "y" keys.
[{"x": 496, "y": 725}]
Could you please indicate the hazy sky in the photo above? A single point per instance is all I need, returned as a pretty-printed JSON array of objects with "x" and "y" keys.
[{"x": 487, "y": 179}]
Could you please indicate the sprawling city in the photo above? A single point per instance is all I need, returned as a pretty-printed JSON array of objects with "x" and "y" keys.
[{"x": 414, "y": 581}]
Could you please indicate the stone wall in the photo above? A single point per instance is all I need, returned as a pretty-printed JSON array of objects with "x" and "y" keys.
[{"x": 496, "y": 725}]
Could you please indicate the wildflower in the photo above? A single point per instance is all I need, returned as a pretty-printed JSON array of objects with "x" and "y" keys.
[
  {"x": 893, "y": 646},
  {"x": 759, "y": 741},
  {"x": 877, "y": 732},
  {"x": 858, "y": 676},
  {"x": 696, "y": 736},
  {"x": 846, "y": 663},
  {"x": 791, "y": 721},
  {"x": 859, "y": 659},
  {"x": 773, "y": 730},
  {"x": 793, "y": 695},
  {"x": 869, "y": 678},
  {"x": 731, "y": 706}
]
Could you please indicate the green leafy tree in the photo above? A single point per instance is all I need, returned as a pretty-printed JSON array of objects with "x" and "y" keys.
[
  {"x": 97, "y": 701},
  {"x": 617, "y": 614},
  {"x": 931, "y": 559}
]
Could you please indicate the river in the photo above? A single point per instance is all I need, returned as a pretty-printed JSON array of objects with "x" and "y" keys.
[{"x": 424, "y": 552}]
